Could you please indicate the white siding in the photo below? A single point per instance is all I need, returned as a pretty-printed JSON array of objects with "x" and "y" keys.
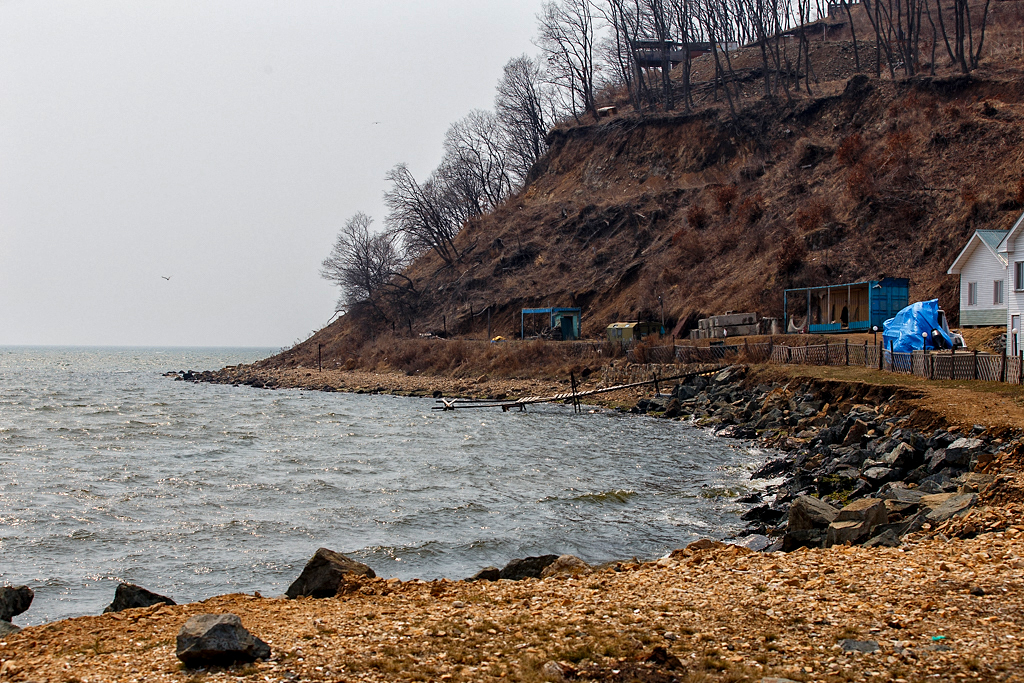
[
  {"x": 983, "y": 267},
  {"x": 1014, "y": 299}
]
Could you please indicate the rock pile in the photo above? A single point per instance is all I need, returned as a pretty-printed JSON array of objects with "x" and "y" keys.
[{"x": 855, "y": 469}]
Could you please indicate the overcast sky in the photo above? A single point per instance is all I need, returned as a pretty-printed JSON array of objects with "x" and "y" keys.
[{"x": 220, "y": 143}]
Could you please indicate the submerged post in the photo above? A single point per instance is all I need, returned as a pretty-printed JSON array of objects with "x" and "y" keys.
[{"x": 319, "y": 357}]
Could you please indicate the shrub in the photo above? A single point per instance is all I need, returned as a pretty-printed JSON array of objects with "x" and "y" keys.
[
  {"x": 812, "y": 216},
  {"x": 697, "y": 217},
  {"x": 751, "y": 209},
  {"x": 860, "y": 184},
  {"x": 725, "y": 195},
  {"x": 850, "y": 149}
]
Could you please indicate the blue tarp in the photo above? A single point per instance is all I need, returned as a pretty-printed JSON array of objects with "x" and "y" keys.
[{"x": 904, "y": 332}]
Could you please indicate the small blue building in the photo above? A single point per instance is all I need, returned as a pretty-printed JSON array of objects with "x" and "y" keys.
[
  {"x": 566, "y": 320},
  {"x": 853, "y": 307}
]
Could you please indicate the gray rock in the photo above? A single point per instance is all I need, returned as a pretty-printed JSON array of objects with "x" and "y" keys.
[
  {"x": 974, "y": 482},
  {"x": 887, "y": 539},
  {"x": 128, "y": 596},
  {"x": 14, "y": 600},
  {"x": 218, "y": 640},
  {"x": 949, "y": 457},
  {"x": 928, "y": 487},
  {"x": 856, "y": 433},
  {"x": 897, "y": 491},
  {"x": 566, "y": 564},
  {"x": 896, "y": 508},
  {"x": 900, "y": 458},
  {"x": 527, "y": 568},
  {"x": 869, "y": 510},
  {"x": 846, "y": 531},
  {"x": 808, "y": 512},
  {"x": 326, "y": 573},
  {"x": 849, "y": 645},
  {"x": 954, "y": 507},
  {"x": 802, "y": 538},
  {"x": 7, "y": 628},
  {"x": 486, "y": 574},
  {"x": 879, "y": 475},
  {"x": 755, "y": 542}
]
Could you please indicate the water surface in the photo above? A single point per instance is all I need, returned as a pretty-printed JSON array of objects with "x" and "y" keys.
[{"x": 110, "y": 472}]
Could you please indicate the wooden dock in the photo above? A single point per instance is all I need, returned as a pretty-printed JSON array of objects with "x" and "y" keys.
[{"x": 572, "y": 396}]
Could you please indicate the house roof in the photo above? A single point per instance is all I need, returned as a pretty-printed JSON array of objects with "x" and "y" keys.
[
  {"x": 992, "y": 239},
  {"x": 1018, "y": 224}
]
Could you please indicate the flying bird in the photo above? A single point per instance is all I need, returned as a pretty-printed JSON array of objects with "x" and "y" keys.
[{"x": 167, "y": 277}]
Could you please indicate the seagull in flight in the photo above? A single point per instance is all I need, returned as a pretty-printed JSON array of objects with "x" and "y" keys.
[{"x": 167, "y": 277}]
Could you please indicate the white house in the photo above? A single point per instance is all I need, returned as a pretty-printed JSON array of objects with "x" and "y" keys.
[
  {"x": 1011, "y": 248},
  {"x": 982, "y": 271},
  {"x": 991, "y": 270}
]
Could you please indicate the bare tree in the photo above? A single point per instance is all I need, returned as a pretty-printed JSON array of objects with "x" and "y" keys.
[
  {"x": 475, "y": 161},
  {"x": 567, "y": 38},
  {"x": 426, "y": 214},
  {"x": 362, "y": 262},
  {"x": 525, "y": 109}
]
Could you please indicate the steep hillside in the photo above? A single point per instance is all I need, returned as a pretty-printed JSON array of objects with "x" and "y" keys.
[{"x": 713, "y": 212}]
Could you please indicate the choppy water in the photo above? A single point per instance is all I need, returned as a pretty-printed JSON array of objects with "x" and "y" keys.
[{"x": 110, "y": 472}]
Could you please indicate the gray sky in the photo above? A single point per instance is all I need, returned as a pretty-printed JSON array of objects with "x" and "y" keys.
[{"x": 218, "y": 142}]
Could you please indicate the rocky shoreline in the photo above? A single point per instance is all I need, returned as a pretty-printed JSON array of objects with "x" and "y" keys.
[{"x": 857, "y": 468}]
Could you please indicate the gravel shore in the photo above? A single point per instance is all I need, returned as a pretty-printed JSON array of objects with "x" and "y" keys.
[{"x": 934, "y": 609}]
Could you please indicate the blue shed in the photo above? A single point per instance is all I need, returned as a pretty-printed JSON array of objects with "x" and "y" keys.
[
  {"x": 565, "y": 319},
  {"x": 852, "y": 307}
]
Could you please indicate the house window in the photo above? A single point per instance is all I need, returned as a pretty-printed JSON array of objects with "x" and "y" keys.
[
  {"x": 997, "y": 292},
  {"x": 1018, "y": 275},
  {"x": 972, "y": 293}
]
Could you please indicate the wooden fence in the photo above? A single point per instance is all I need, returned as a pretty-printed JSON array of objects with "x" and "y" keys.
[{"x": 931, "y": 365}]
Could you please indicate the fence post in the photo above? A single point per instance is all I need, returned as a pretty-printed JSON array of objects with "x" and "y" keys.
[
  {"x": 931, "y": 367},
  {"x": 847, "y": 351},
  {"x": 881, "y": 353},
  {"x": 828, "y": 361},
  {"x": 975, "y": 373},
  {"x": 952, "y": 363},
  {"x": 1020, "y": 369},
  {"x": 865, "y": 353},
  {"x": 1002, "y": 367}
]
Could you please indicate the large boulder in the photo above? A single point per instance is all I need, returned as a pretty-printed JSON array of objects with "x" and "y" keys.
[
  {"x": 527, "y": 568},
  {"x": 855, "y": 521},
  {"x": 955, "y": 506},
  {"x": 486, "y": 574},
  {"x": 7, "y": 628},
  {"x": 808, "y": 512},
  {"x": 870, "y": 510},
  {"x": 566, "y": 564},
  {"x": 128, "y": 596},
  {"x": 847, "y": 531},
  {"x": 14, "y": 600},
  {"x": 900, "y": 458},
  {"x": 218, "y": 640},
  {"x": 327, "y": 573}
]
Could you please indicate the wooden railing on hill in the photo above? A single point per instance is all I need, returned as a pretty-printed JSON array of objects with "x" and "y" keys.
[{"x": 956, "y": 365}]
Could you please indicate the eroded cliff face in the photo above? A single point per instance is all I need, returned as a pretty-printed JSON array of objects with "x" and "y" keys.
[{"x": 710, "y": 212}]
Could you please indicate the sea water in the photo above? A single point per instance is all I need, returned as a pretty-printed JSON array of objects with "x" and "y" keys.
[{"x": 111, "y": 472}]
